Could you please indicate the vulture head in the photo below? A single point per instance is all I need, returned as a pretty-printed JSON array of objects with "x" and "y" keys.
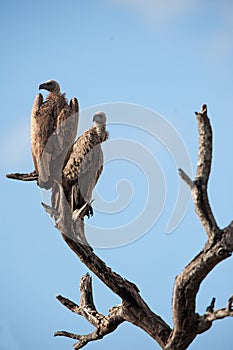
[
  {"x": 99, "y": 118},
  {"x": 51, "y": 86}
]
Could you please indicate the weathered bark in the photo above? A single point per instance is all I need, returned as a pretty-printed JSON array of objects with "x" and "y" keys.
[
  {"x": 211, "y": 315},
  {"x": 23, "y": 177},
  {"x": 133, "y": 307},
  {"x": 187, "y": 323},
  {"x": 200, "y": 185},
  {"x": 218, "y": 247},
  {"x": 103, "y": 324}
]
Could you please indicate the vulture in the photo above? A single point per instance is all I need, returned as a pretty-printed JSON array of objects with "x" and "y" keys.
[
  {"x": 54, "y": 125},
  {"x": 83, "y": 166}
]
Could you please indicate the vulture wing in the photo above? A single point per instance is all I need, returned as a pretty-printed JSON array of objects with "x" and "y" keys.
[
  {"x": 82, "y": 170},
  {"x": 41, "y": 128},
  {"x": 89, "y": 172},
  {"x": 58, "y": 128},
  {"x": 66, "y": 127}
]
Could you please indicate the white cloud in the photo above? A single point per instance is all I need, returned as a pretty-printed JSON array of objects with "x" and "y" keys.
[
  {"x": 214, "y": 23},
  {"x": 158, "y": 11}
]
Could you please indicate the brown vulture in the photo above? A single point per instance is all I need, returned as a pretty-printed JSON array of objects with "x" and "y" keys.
[
  {"x": 54, "y": 125},
  {"x": 83, "y": 166}
]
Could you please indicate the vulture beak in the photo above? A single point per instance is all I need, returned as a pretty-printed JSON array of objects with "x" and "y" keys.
[{"x": 42, "y": 86}]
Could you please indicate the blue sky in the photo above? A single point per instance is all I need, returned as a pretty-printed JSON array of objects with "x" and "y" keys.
[{"x": 168, "y": 56}]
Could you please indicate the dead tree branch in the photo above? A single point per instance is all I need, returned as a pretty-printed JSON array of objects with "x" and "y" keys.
[
  {"x": 199, "y": 186},
  {"x": 187, "y": 323},
  {"x": 211, "y": 315},
  {"x": 23, "y": 177},
  {"x": 133, "y": 307},
  {"x": 103, "y": 324}
]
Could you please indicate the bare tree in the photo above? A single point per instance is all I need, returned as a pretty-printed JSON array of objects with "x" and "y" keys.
[{"x": 187, "y": 323}]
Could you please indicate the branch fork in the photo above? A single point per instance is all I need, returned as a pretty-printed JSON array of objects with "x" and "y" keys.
[
  {"x": 211, "y": 315},
  {"x": 132, "y": 309},
  {"x": 103, "y": 324},
  {"x": 219, "y": 246}
]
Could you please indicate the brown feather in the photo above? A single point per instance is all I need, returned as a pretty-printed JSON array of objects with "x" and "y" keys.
[
  {"x": 53, "y": 129},
  {"x": 79, "y": 153},
  {"x": 82, "y": 169}
]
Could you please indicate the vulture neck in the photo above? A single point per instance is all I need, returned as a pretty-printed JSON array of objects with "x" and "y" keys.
[{"x": 53, "y": 94}]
